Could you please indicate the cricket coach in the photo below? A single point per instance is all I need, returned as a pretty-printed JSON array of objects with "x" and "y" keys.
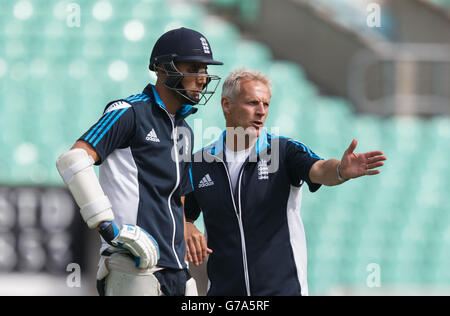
[{"x": 255, "y": 236}]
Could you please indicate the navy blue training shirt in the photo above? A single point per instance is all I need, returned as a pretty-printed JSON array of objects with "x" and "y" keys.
[{"x": 142, "y": 170}]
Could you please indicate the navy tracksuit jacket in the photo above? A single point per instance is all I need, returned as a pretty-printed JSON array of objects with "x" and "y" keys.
[{"x": 256, "y": 233}]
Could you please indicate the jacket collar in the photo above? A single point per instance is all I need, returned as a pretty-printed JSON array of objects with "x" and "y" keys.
[{"x": 216, "y": 148}]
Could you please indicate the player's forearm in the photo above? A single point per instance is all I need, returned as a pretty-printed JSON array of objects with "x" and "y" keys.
[{"x": 325, "y": 172}]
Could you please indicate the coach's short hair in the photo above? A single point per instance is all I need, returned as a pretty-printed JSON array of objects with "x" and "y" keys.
[{"x": 232, "y": 84}]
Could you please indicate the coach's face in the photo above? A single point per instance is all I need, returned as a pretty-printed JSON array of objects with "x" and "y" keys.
[{"x": 249, "y": 108}]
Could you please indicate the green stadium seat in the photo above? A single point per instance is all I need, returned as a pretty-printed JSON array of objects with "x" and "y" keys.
[{"x": 249, "y": 10}]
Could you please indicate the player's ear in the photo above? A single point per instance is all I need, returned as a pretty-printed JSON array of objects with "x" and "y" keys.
[{"x": 159, "y": 70}]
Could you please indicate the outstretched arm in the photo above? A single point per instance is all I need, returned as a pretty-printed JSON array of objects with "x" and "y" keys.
[{"x": 352, "y": 165}]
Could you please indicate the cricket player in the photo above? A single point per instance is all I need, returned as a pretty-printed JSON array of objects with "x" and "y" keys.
[
  {"x": 136, "y": 204},
  {"x": 248, "y": 184}
]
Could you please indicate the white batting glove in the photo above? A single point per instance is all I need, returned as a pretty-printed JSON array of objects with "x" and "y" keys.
[{"x": 141, "y": 244}]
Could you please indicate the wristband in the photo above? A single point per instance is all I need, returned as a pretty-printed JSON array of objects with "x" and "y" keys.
[
  {"x": 338, "y": 172},
  {"x": 109, "y": 231}
]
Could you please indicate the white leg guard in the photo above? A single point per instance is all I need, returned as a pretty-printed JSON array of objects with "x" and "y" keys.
[
  {"x": 76, "y": 169},
  {"x": 124, "y": 279}
]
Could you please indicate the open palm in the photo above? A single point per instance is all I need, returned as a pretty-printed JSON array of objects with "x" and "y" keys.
[{"x": 355, "y": 165}]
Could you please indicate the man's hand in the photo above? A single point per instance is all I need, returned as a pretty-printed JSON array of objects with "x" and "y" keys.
[
  {"x": 196, "y": 247},
  {"x": 141, "y": 244},
  {"x": 356, "y": 165}
]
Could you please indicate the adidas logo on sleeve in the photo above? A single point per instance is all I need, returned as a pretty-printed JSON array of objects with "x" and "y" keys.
[
  {"x": 206, "y": 181},
  {"x": 152, "y": 136}
]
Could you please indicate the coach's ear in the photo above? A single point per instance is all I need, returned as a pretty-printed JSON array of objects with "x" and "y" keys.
[{"x": 226, "y": 106}]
